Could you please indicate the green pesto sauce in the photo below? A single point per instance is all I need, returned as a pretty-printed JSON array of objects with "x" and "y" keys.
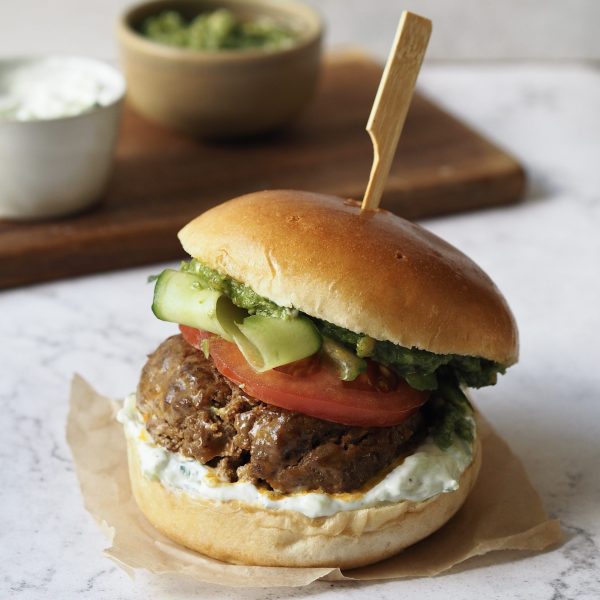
[
  {"x": 216, "y": 30},
  {"x": 449, "y": 413},
  {"x": 420, "y": 368},
  {"x": 241, "y": 295}
]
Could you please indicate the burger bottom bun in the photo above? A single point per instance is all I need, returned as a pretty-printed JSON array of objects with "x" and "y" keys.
[{"x": 239, "y": 533}]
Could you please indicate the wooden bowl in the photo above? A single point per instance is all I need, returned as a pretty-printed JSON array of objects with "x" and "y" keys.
[{"x": 227, "y": 93}]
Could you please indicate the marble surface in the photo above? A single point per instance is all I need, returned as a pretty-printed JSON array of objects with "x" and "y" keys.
[{"x": 544, "y": 255}]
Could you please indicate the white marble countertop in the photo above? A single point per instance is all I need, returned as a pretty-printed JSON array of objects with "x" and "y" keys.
[{"x": 544, "y": 255}]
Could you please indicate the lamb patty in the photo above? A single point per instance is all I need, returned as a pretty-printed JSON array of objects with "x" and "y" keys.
[{"x": 189, "y": 407}]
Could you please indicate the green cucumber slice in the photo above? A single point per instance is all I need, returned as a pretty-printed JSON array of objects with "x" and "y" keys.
[
  {"x": 265, "y": 342},
  {"x": 182, "y": 298},
  {"x": 268, "y": 342},
  {"x": 348, "y": 364}
]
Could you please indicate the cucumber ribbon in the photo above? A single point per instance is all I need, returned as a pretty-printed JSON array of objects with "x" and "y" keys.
[{"x": 265, "y": 342}]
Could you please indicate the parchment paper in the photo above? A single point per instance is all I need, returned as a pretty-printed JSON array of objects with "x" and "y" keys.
[{"x": 503, "y": 512}]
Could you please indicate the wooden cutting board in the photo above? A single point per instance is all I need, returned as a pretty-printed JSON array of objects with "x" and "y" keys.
[{"x": 163, "y": 179}]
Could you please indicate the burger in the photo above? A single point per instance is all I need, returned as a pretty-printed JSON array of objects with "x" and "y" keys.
[{"x": 312, "y": 410}]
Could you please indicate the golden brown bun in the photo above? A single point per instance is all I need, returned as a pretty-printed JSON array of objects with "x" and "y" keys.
[
  {"x": 238, "y": 533},
  {"x": 372, "y": 273}
]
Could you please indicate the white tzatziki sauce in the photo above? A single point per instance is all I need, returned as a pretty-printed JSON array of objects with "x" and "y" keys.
[
  {"x": 425, "y": 473},
  {"x": 54, "y": 87}
]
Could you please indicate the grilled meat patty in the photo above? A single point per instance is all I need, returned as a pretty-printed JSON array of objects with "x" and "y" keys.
[{"x": 189, "y": 407}]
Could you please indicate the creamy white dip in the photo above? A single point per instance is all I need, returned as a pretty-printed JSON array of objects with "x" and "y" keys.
[
  {"x": 55, "y": 87},
  {"x": 425, "y": 473}
]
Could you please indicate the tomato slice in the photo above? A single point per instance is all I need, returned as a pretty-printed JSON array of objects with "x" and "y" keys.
[
  {"x": 194, "y": 337},
  {"x": 314, "y": 392}
]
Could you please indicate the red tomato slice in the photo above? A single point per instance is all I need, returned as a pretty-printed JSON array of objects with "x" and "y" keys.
[
  {"x": 316, "y": 393},
  {"x": 194, "y": 336}
]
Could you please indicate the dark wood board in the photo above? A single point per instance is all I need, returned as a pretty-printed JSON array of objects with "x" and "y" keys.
[{"x": 163, "y": 179}]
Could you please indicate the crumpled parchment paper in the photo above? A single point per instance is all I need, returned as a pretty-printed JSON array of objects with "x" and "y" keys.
[{"x": 503, "y": 512}]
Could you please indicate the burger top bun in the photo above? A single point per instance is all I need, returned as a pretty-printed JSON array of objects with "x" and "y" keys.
[{"x": 373, "y": 273}]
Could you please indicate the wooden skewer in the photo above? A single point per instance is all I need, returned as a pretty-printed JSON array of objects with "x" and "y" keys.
[{"x": 393, "y": 99}]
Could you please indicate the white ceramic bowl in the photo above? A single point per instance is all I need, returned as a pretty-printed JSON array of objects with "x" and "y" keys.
[{"x": 53, "y": 165}]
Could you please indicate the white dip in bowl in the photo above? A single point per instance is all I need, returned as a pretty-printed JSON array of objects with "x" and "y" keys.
[{"x": 59, "y": 119}]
